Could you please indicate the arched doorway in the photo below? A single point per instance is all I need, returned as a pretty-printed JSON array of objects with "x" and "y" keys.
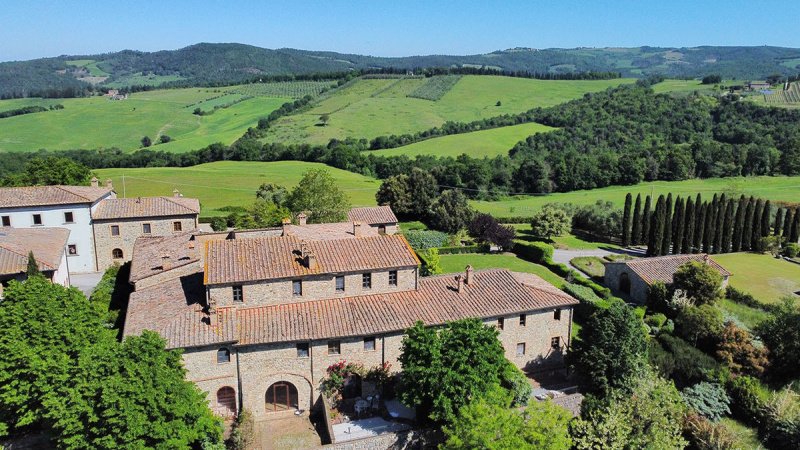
[
  {"x": 226, "y": 400},
  {"x": 624, "y": 283},
  {"x": 281, "y": 396}
]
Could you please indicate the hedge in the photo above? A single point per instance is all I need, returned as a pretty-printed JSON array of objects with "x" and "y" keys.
[
  {"x": 541, "y": 253},
  {"x": 743, "y": 298},
  {"x": 517, "y": 219},
  {"x": 589, "y": 300},
  {"x": 463, "y": 249}
]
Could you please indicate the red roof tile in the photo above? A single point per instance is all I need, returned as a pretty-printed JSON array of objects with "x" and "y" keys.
[
  {"x": 47, "y": 245},
  {"x": 126, "y": 208},
  {"x": 153, "y": 255},
  {"x": 662, "y": 268},
  {"x": 15, "y": 197},
  {"x": 372, "y": 215}
]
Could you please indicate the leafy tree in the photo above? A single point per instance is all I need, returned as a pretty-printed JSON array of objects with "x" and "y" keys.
[
  {"x": 262, "y": 214},
  {"x": 486, "y": 229},
  {"x": 612, "y": 350},
  {"x": 423, "y": 190},
  {"x": 146, "y": 141},
  {"x": 324, "y": 119},
  {"x": 550, "y": 221},
  {"x": 711, "y": 79},
  {"x": 533, "y": 176},
  {"x": 701, "y": 282},
  {"x": 737, "y": 352},
  {"x": 451, "y": 212},
  {"x": 218, "y": 224},
  {"x": 446, "y": 369},
  {"x": 626, "y": 221},
  {"x": 636, "y": 231},
  {"x": 164, "y": 139},
  {"x": 33, "y": 266},
  {"x": 394, "y": 191},
  {"x": 431, "y": 262},
  {"x": 493, "y": 425},
  {"x": 601, "y": 219},
  {"x": 272, "y": 192},
  {"x": 708, "y": 399},
  {"x": 780, "y": 333},
  {"x": 319, "y": 195},
  {"x": 700, "y": 324},
  {"x": 50, "y": 170}
]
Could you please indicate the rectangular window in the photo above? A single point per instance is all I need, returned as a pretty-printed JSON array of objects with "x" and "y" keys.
[
  {"x": 6, "y": 221},
  {"x": 392, "y": 278},
  {"x": 115, "y": 230},
  {"x": 369, "y": 344},
  {"x": 69, "y": 217},
  {"x": 37, "y": 219},
  {"x": 340, "y": 283},
  {"x": 381, "y": 229},
  {"x": 557, "y": 314},
  {"x": 146, "y": 228},
  {"x": 297, "y": 288},
  {"x": 522, "y": 320},
  {"x": 366, "y": 281},
  {"x": 72, "y": 249},
  {"x": 501, "y": 323},
  {"x": 334, "y": 347},
  {"x": 238, "y": 294},
  {"x": 555, "y": 343},
  {"x": 302, "y": 350},
  {"x": 176, "y": 226},
  {"x": 521, "y": 349}
]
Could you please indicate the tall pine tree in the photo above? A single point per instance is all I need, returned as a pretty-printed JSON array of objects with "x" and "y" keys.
[
  {"x": 727, "y": 228},
  {"x": 757, "y": 212},
  {"x": 700, "y": 231},
  {"x": 678, "y": 220},
  {"x": 626, "y": 221},
  {"x": 778, "y": 222},
  {"x": 794, "y": 233},
  {"x": 689, "y": 226},
  {"x": 636, "y": 231},
  {"x": 667, "y": 241},
  {"x": 765, "y": 215},
  {"x": 719, "y": 226},
  {"x": 738, "y": 225},
  {"x": 646, "y": 221},
  {"x": 747, "y": 229},
  {"x": 787, "y": 223},
  {"x": 657, "y": 228},
  {"x": 711, "y": 221}
]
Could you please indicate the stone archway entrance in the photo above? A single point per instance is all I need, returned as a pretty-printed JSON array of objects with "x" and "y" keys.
[
  {"x": 226, "y": 400},
  {"x": 624, "y": 283},
  {"x": 281, "y": 396}
]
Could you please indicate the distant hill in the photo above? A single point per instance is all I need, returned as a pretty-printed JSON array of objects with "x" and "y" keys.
[{"x": 208, "y": 64}]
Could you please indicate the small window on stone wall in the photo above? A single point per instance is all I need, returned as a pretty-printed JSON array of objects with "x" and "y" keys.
[
  {"x": 521, "y": 349},
  {"x": 223, "y": 356},
  {"x": 557, "y": 314},
  {"x": 116, "y": 253},
  {"x": 555, "y": 343},
  {"x": 302, "y": 350},
  {"x": 369, "y": 344},
  {"x": 334, "y": 347},
  {"x": 522, "y": 320}
]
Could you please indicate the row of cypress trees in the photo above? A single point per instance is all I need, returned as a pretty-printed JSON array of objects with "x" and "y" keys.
[{"x": 721, "y": 225}]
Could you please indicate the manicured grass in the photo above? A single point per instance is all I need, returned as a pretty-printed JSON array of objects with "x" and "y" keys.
[
  {"x": 747, "y": 437},
  {"x": 590, "y": 265},
  {"x": 748, "y": 316},
  {"x": 230, "y": 183},
  {"x": 785, "y": 189},
  {"x": 491, "y": 143},
  {"x": 566, "y": 242},
  {"x": 374, "y": 107},
  {"x": 415, "y": 225},
  {"x": 97, "y": 122},
  {"x": 457, "y": 263},
  {"x": 762, "y": 276}
]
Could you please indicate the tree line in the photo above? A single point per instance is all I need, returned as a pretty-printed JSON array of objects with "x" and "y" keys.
[{"x": 720, "y": 225}]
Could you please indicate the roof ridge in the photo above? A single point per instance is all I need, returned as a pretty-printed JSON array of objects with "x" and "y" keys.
[
  {"x": 65, "y": 189},
  {"x": 171, "y": 200}
]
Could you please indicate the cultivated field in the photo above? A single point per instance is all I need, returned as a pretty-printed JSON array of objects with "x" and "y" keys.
[
  {"x": 785, "y": 189},
  {"x": 683, "y": 86},
  {"x": 373, "y": 107},
  {"x": 789, "y": 98},
  {"x": 228, "y": 183},
  {"x": 494, "y": 142},
  {"x": 762, "y": 276}
]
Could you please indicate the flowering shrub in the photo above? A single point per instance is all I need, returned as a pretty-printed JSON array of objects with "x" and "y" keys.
[{"x": 333, "y": 384}]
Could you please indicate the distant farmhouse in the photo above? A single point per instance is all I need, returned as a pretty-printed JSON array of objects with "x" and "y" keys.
[
  {"x": 758, "y": 85},
  {"x": 113, "y": 94},
  {"x": 634, "y": 278}
]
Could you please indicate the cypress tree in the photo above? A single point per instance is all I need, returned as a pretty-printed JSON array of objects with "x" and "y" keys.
[
  {"x": 688, "y": 228},
  {"x": 636, "y": 232},
  {"x": 765, "y": 215},
  {"x": 759, "y": 209},
  {"x": 626, "y": 221},
  {"x": 678, "y": 221},
  {"x": 778, "y": 222},
  {"x": 667, "y": 240},
  {"x": 646, "y": 222},
  {"x": 727, "y": 228},
  {"x": 738, "y": 225},
  {"x": 719, "y": 226},
  {"x": 787, "y": 223},
  {"x": 747, "y": 229},
  {"x": 794, "y": 233},
  {"x": 701, "y": 228},
  {"x": 711, "y": 221},
  {"x": 33, "y": 266},
  {"x": 657, "y": 228}
]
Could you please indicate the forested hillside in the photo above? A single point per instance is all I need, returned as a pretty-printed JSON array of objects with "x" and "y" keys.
[{"x": 216, "y": 64}]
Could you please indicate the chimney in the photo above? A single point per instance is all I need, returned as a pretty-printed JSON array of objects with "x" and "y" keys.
[
  {"x": 301, "y": 219},
  {"x": 357, "y": 229},
  {"x": 176, "y": 193},
  {"x": 705, "y": 258},
  {"x": 109, "y": 184},
  {"x": 460, "y": 281},
  {"x": 311, "y": 261},
  {"x": 286, "y": 224},
  {"x": 95, "y": 182},
  {"x": 468, "y": 277},
  {"x": 166, "y": 264}
]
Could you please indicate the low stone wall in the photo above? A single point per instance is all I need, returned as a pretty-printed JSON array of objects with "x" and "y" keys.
[
  {"x": 325, "y": 406},
  {"x": 400, "y": 440}
]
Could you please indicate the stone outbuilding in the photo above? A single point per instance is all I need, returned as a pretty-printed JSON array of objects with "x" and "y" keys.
[
  {"x": 634, "y": 278},
  {"x": 48, "y": 246}
]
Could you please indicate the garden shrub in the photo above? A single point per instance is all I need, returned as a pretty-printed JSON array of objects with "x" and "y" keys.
[
  {"x": 660, "y": 359},
  {"x": 705, "y": 435},
  {"x": 463, "y": 249},
  {"x": 791, "y": 250},
  {"x": 537, "y": 252},
  {"x": 691, "y": 364},
  {"x": 589, "y": 300},
  {"x": 743, "y": 298},
  {"x": 424, "y": 239},
  {"x": 242, "y": 433},
  {"x": 748, "y": 399},
  {"x": 708, "y": 399},
  {"x": 781, "y": 429},
  {"x": 517, "y": 384},
  {"x": 431, "y": 264}
]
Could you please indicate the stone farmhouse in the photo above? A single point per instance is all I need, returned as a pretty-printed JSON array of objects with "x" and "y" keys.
[
  {"x": 634, "y": 278},
  {"x": 101, "y": 227},
  {"x": 261, "y": 314},
  {"x": 48, "y": 246}
]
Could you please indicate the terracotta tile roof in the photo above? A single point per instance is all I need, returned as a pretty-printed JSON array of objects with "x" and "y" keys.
[
  {"x": 372, "y": 215},
  {"x": 174, "y": 309},
  {"x": 125, "y": 208},
  {"x": 154, "y": 255},
  {"x": 662, "y": 268},
  {"x": 329, "y": 231},
  {"x": 240, "y": 260},
  {"x": 493, "y": 293},
  {"x": 15, "y": 197},
  {"x": 47, "y": 245}
]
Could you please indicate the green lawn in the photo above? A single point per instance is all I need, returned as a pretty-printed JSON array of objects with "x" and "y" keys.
[
  {"x": 374, "y": 107},
  {"x": 683, "y": 86},
  {"x": 747, "y": 437},
  {"x": 590, "y": 265},
  {"x": 785, "y": 189},
  {"x": 457, "y": 263},
  {"x": 762, "y": 276},
  {"x": 491, "y": 143},
  {"x": 748, "y": 316},
  {"x": 96, "y": 122},
  {"x": 566, "y": 242},
  {"x": 227, "y": 183}
]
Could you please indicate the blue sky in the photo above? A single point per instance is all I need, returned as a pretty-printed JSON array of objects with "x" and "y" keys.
[{"x": 35, "y": 28}]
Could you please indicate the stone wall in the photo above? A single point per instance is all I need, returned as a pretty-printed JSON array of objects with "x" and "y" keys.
[
  {"x": 399, "y": 440},
  {"x": 202, "y": 369},
  {"x": 129, "y": 230},
  {"x": 540, "y": 327},
  {"x": 264, "y": 293},
  {"x": 162, "y": 277},
  {"x": 639, "y": 288}
]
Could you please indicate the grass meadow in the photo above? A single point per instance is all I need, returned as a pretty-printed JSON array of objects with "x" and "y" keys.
[
  {"x": 762, "y": 276},
  {"x": 230, "y": 183}
]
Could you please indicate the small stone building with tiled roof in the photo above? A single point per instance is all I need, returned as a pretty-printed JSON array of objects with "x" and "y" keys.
[
  {"x": 48, "y": 246},
  {"x": 634, "y": 278},
  {"x": 260, "y": 318},
  {"x": 381, "y": 218}
]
